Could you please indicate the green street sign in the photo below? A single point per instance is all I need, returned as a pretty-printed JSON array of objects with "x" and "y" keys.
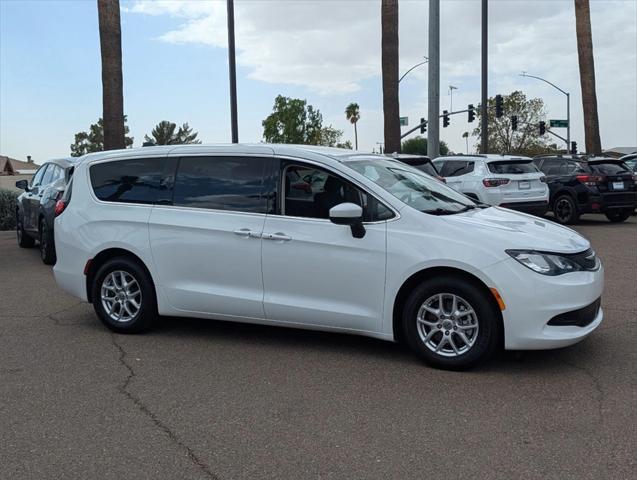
[
  {"x": 404, "y": 121},
  {"x": 559, "y": 123}
]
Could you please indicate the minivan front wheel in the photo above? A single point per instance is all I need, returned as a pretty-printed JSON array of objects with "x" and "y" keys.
[
  {"x": 124, "y": 297},
  {"x": 451, "y": 323}
]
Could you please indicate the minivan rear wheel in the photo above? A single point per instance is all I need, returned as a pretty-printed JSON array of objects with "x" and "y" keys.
[
  {"x": 123, "y": 296},
  {"x": 450, "y": 322}
]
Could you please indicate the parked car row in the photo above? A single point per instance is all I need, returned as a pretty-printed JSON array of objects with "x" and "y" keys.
[{"x": 319, "y": 238}]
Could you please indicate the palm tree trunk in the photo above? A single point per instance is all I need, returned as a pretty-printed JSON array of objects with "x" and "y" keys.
[
  {"x": 112, "y": 90},
  {"x": 587, "y": 76},
  {"x": 389, "y": 60},
  {"x": 355, "y": 136}
]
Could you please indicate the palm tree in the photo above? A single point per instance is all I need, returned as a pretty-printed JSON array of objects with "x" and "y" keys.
[
  {"x": 465, "y": 135},
  {"x": 164, "y": 134},
  {"x": 353, "y": 114},
  {"x": 389, "y": 61},
  {"x": 587, "y": 76},
  {"x": 112, "y": 90}
]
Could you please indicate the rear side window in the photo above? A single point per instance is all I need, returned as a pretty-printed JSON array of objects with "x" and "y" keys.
[
  {"x": 552, "y": 166},
  {"x": 427, "y": 168},
  {"x": 513, "y": 167},
  {"x": 140, "y": 180},
  {"x": 609, "y": 168},
  {"x": 222, "y": 183}
]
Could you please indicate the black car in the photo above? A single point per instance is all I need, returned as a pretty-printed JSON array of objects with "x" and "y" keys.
[
  {"x": 580, "y": 185},
  {"x": 35, "y": 208},
  {"x": 420, "y": 162}
]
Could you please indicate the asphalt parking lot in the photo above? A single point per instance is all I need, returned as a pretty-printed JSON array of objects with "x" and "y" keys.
[{"x": 215, "y": 400}]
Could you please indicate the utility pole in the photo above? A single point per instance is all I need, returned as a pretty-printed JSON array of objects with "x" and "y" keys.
[
  {"x": 484, "y": 121},
  {"x": 433, "y": 122},
  {"x": 233, "y": 74}
]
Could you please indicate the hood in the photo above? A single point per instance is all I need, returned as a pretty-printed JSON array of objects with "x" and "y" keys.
[{"x": 515, "y": 230}]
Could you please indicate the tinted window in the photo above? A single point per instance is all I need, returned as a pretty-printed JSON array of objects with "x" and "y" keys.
[
  {"x": 552, "y": 166},
  {"x": 37, "y": 178},
  {"x": 222, "y": 183},
  {"x": 427, "y": 168},
  {"x": 454, "y": 168},
  {"x": 568, "y": 168},
  {"x": 311, "y": 192},
  {"x": 513, "y": 167},
  {"x": 609, "y": 168},
  {"x": 48, "y": 175},
  {"x": 143, "y": 180}
]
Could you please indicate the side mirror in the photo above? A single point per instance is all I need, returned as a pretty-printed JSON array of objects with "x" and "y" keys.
[
  {"x": 349, "y": 214},
  {"x": 22, "y": 185}
]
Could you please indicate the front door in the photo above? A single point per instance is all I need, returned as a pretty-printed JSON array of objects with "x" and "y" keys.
[
  {"x": 207, "y": 244},
  {"x": 314, "y": 271}
]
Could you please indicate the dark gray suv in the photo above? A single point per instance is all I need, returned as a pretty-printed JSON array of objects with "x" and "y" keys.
[{"x": 35, "y": 207}]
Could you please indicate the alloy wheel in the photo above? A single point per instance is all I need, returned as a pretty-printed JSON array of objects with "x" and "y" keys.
[
  {"x": 121, "y": 296},
  {"x": 447, "y": 324},
  {"x": 563, "y": 209}
]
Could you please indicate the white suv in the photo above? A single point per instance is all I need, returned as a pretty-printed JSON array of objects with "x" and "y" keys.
[
  {"x": 512, "y": 182},
  {"x": 319, "y": 238}
]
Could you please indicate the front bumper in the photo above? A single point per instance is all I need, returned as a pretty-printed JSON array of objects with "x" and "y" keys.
[{"x": 532, "y": 300}]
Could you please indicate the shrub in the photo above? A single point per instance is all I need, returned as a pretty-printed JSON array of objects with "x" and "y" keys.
[{"x": 7, "y": 209}]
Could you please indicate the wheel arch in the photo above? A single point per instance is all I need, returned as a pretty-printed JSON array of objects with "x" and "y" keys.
[
  {"x": 420, "y": 276},
  {"x": 560, "y": 193},
  {"x": 102, "y": 257}
]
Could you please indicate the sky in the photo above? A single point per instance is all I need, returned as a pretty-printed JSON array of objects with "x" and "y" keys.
[{"x": 325, "y": 51}]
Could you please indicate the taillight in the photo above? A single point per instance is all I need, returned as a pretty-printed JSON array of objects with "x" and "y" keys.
[
  {"x": 495, "y": 182},
  {"x": 60, "y": 205},
  {"x": 589, "y": 180}
]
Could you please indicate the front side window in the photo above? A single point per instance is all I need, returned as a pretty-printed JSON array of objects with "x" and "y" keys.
[
  {"x": 412, "y": 187},
  {"x": 311, "y": 192},
  {"x": 222, "y": 183},
  {"x": 142, "y": 180}
]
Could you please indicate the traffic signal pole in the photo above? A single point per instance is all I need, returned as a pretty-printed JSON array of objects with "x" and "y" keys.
[{"x": 433, "y": 134}]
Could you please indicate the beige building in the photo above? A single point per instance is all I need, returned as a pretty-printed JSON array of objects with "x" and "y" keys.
[{"x": 12, "y": 170}]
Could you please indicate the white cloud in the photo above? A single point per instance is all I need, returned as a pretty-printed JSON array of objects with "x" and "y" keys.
[{"x": 332, "y": 47}]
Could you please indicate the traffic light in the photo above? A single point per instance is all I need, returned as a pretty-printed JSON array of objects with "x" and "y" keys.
[
  {"x": 445, "y": 118},
  {"x": 499, "y": 109},
  {"x": 574, "y": 148},
  {"x": 423, "y": 125},
  {"x": 542, "y": 128},
  {"x": 514, "y": 122},
  {"x": 472, "y": 113}
]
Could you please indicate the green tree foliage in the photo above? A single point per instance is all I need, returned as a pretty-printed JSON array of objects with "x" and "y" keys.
[
  {"x": 93, "y": 140},
  {"x": 353, "y": 114},
  {"x": 418, "y": 146},
  {"x": 166, "y": 133},
  {"x": 293, "y": 121},
  {"x": 526, "y": 140}
]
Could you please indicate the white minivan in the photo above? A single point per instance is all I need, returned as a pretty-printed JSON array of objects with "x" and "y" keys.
[{"x": 319, "y": 238}]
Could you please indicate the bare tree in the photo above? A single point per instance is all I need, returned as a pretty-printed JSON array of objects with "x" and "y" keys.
[
  {"x": 112, "y": 90},
  {"x": 587, "y": 76},
  {"x": 389, "y": 60}
]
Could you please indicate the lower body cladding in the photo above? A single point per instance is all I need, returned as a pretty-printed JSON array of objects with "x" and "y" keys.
[
  {"x": 535, "y": 208},
  {"x": 545, "y": 312}
]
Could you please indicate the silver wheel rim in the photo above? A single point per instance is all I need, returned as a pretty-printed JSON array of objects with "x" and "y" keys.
[
  {"x": 121, "y": 296},
  {"x": 447, "y": 325}
]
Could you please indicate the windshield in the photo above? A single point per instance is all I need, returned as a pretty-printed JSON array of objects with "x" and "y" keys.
[
  {"x": 411, "y": 186},
  {"x": 513, "y": 167}
]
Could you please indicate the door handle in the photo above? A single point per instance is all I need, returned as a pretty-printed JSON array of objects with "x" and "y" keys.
[
  {"x": 280, "y": 236},
  {"x": 247, "y": 233}
]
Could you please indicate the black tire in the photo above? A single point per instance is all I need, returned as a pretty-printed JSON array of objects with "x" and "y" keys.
[
  {"x": 24, "y": 240},
  {"x": 565, "y": 210},
  {"x": 147, "y": 312},
  {"x": 487, "y": 317},
  {"x": 618, "y": 215},
  {"x": 47, "y": 245}
]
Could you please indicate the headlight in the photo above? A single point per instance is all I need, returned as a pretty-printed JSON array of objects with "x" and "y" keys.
[{"x": 556, "y": 263}]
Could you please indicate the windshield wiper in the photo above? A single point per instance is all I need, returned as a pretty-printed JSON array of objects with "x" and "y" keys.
[{"x": 444, "y": 211}]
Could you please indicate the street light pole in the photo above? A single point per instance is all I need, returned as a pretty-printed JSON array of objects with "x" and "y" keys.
[
  {"x": 451, "y": 89},
  {"x": 415, "y": 66},
  {"x": 232, "y": 73},
  {"x": 568, "y": 106}
]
